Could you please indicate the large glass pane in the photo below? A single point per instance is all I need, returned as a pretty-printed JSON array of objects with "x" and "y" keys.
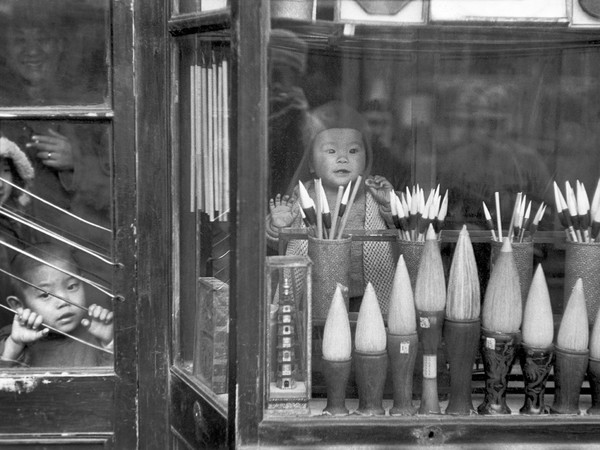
[
  {"x": 483, "y": 113},
  {"x": 54, "y": 52},
  {"x": 203, "y": 254},
  {"x": 56, "y": 235}
]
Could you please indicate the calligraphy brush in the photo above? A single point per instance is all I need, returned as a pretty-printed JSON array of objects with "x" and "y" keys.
[
  {"x": 537, "y": 349},
  {"x": 430, "y": 302},
  {"x": 461, "y": 325},
  {"x": 370, "y": 355},
  {"x": 498, "y": 214},
  {"x": 336, "y": 212},
  {"x": 594, "y": 367},
  {"x": 349, "y": 206},
  {"x": 526, "y": 222},
  {"x": 583, "y": 210},
  {"x": 337, "y": 352},
  {"x": 307, "y": 204},
  {"x": 402, "y": 340},
  {"x": 488, "y": 221},
  {"x": 318, "y": 209},
  {"x": 572, "y": 208},
  {"x": 536, "y": 219},
  {"x": 571, "y": 353}
]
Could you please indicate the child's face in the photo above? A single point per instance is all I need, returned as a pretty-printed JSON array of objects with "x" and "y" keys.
[
  {"x": 55, "y": 312},
  {"x": 33, "y": 53},
  {"x": 339, "y": 156},
  {"x": 5, "y": 174}
]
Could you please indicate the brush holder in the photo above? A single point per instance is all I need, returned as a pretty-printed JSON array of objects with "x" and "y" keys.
[
  {"x": 594, "y": 379},
  {"x": 462, "y": 338},
  {"x": 569, "y": 371},
  {"x": 582, "y": 260},
  {"x": 536, "y": 364},
  {"x": 331, "y": 265},
  {"x": 336, "y": 374},
  {"x": 412, "y": 251},
  {"x": 402, "y": 352},
  {"x": 292, "y": 9},
  {"x": 523, "y": 255},
  {"x": 498, "y": 352},
  {"x": 370, "y": 371}
]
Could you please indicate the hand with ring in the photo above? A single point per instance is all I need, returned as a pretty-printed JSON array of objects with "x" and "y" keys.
[{"x": 54, "y": 150}]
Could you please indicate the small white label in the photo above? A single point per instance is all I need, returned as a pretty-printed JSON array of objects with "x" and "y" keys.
[
  {"x": 429, "y": 366},
  {"x": 424, "y": 322},
  {"x": 404, "y": 347},
  {"x": 490, "y": 343}
]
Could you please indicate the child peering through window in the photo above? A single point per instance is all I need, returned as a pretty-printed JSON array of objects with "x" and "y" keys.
[
  {"x": 338, "y": 151},
  {"x": 47, "y": 296}
]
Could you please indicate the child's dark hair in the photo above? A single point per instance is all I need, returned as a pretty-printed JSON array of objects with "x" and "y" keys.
[{"x": 21, "y": 265}]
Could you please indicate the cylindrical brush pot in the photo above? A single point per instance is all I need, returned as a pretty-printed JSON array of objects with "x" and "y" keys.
[
  {"x": 402, "y": 351},
  {"x": 429, "y": 328},
  {"x": 582, "y": 260},
  {"x": 498, "y": 351},
  {"x": 370, "y": 372},
  {"x": 536, "y": 364},
  {"x": 462, "y": 339},
  {"x": 594, "y": 379},
  {"x": 412, "y": 251},
  {"x": 292, "y": 9},
  {"x": 523, "y": 255},
  {"x": 569, "y": 371},
  {"x": 331, "y": 265},
  {"x": 336, "y": 374}
]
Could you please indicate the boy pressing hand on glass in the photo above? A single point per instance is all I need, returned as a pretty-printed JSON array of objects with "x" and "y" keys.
[{"x": 48, "y": 295}]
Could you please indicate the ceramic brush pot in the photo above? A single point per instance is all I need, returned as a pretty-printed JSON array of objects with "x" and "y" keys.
[
  {"x": 402, "y": 353},
  {"x": 536, "y": 364}
]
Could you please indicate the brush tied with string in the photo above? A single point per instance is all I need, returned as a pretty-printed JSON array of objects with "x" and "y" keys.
[
  {"x": 370, "y": 328},
  {"x": 464, "y": 296},
  {"x": 502, "y": 305},
  {"x": 401, "y": 314},
  {"x": 573, "y": 333},
  {"x": 538, "y": 323},
  {"x": 337, "y": 343}
]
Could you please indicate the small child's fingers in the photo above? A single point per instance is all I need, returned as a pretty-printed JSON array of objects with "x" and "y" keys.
[
  {"x": 271, "y": 205},
  {"x": 102, "y": 315},
  {"x": 278, "y": 200},
  {"x": 33, "y": 320},
  {"x": 109, "y": 317},
  {"x": 85, "y": 322},
  {"x": 37, "y": 322}
]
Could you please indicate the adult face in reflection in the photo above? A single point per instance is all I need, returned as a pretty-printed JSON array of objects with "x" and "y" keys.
[{"x": 33, "y": 53}]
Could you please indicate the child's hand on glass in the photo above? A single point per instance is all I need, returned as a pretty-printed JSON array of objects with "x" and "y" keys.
[
  {"x": 100, "y": 323},
  {"x": 25, "y": 330},
  {"x": 380, "y": 189},
  {"x": 282, "y": 210}
]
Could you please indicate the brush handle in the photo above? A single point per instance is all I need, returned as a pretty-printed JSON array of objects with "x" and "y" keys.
[
  {"x": 536, "y": 364},
  {"x": 336, "y": 374},
  {"x": 371, "y": 370},
  {"x": 430, "y": 334},
  {"x": 498, "y": 352},
  {"x": 462, "y": 339},
  {"x": 594, "y": 379},
  {"x": 569, "y": 372},
  {"x": 402, "y": 351}
]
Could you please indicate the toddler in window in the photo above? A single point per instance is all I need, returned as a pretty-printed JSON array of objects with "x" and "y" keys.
[
  {"x": 49, "y": 294},
  {"x": 338, "y": 151}
]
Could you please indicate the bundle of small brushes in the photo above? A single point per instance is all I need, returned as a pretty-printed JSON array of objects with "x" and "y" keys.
[
  {"x": 412, "y": 214},
  {"x": 318, "y": 217},
  {"x": 579, "y": 218},
  {"x": 521, "y": 221}
]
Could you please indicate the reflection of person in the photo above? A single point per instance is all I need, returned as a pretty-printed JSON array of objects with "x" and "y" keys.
[
  {"x": 287, "y": 106},
  {"x": 386, "y": 158},
  {"x": 488, "y": 158},
  {"x": 338, "y": 152},
  {"x": 38, "y": 68},
  {"x": 42, "y": 299},
  {"x": 71, "y": 159},
  {"x": 14, "y": 168}
]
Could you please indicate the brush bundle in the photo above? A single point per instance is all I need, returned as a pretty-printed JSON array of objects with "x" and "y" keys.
[
  {"x": 317, "y": 215},
  {"x": 412, "y": 213}
]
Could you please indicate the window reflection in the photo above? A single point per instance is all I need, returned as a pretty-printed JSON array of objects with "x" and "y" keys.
[{"x": 53, "y": 52}]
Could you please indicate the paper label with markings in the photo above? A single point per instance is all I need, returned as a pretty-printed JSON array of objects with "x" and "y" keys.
[
  {"x": 424, "y": 322},
  {"x": 404, "y": 347},
  {"x": 490, "y": 343}
]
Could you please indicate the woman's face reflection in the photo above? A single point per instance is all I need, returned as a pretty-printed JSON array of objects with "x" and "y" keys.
[{"x": 33, "y": 53}]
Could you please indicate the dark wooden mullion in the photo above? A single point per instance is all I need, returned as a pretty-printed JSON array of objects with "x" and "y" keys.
[
  {"x": 249, "y": 193},
  {"x": 124, "y": 187}
]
